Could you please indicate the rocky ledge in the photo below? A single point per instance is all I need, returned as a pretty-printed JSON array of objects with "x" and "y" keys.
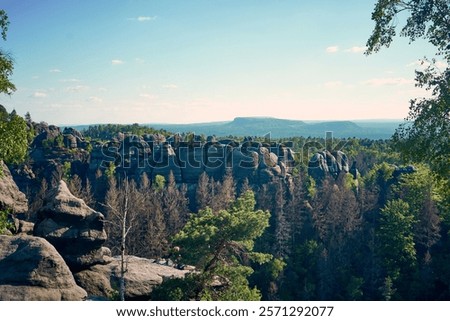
[
  {"x": 32, "y": 270},
  {"x": 141, "y": 277}
]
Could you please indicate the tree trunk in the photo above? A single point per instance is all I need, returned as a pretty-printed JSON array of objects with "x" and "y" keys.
[{"x": 123, "y": 245}]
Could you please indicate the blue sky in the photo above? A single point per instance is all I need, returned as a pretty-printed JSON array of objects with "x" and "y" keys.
[{"x": 183, "y": 61}]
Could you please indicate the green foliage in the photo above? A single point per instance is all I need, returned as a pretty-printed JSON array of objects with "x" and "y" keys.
[
  {"x": 6, "y": 62},
  {"x": 208, "y": 236},
  {"x": 379, "y": 173},
  {"x": 425, "y": 137},
  {"x": 229, "y": 283},
  {"x": 426, "y": 20},
  {"x": 304, "y": 263},
  {"x": 388, "y": 290},
  {"x": 59, "y": 141},
  {"x": 47, "y": 144},
  {"x": 349, "y": 182},
  {"x": 424, "y": 193},
  {"x": 114, "y": 295},
  {"x": 219, "y": 245},
  {"x": 395, "y": 235},
  {"x": 179, "y": 289},
  {"x": 379, "y": 179},
  {"x": 354, "y": 288},
  {"x": 13, "y": 138},
  {"x": 111, "y": 170},
  {"x": 395, "y": 240},
  {"x": 311, "y": 187},
  {"x": 89, "y": 148},
  {"x": 5, "y": 224},
  {"x": 109, "y": 131},
  {"x": 66, "y": 171},
  {"x": 275, "y": 267},
  {"x": 415, "y": 187},
  {"x": 159, "y": 183}
]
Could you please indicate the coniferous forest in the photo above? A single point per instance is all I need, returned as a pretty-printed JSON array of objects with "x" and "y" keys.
[{"x": 250, "y": 218}]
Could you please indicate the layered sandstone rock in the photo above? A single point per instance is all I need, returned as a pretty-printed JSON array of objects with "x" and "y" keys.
[
  {"x": 32, "y": 270},
  {"x": 76, "y": 230},
  {"x": 10, "y": 196},
  {"x": 141, "y": 276}
]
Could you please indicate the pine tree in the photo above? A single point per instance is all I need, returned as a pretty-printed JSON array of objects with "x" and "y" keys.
[
  {"x": 219, "y": 244},
  {"x": 395, "y": 247}
]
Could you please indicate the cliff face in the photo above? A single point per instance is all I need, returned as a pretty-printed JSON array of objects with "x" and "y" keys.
[
  {"x": 186, "y": 157},
  {"x": 10, "y": 196},
  {"x": 258, "y": 162}
]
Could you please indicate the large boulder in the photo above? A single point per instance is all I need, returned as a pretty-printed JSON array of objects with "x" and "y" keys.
[
  {"x": 76, "y": 230},
  {"x": 141, "y": 276},
  {"x": 10, "y": 196},
  {"x": 70, "y": 141},
  {"x": 73, "y": 132},
  {"x": 47, "y": 133},
  {"x": 32, "y": 270},
  {"x": 267, "y": 159}
]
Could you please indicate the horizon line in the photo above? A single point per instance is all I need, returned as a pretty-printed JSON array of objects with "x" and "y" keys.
[{"x": 248, "y": 117}]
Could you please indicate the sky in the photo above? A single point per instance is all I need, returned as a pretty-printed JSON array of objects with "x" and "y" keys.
[{"x": 190, "y": 61}]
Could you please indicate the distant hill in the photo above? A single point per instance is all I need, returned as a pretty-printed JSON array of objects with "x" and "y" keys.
[{"x": 284, "y": 128}]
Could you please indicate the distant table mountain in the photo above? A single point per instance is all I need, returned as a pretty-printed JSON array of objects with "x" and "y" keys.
[{"x": 283, "y": 128}]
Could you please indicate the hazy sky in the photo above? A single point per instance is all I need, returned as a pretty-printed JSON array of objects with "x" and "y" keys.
[{"x": 182, "y": 61}]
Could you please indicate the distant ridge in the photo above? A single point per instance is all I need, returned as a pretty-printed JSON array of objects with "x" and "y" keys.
[{"x": 283, "y": 128}]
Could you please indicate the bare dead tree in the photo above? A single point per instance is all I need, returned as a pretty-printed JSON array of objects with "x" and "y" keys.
[{"x": 122, "y": 202}]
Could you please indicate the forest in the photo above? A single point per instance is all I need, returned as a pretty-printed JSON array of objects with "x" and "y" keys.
[{"x": 378, "y": 232}]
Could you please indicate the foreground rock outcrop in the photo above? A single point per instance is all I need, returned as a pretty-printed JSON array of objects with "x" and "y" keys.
[
  {"x": 76, "y": 230},
  {"x": 10, "y": 196},
  {"x": 32, "y": 270},
  {"x": 141, "y": 277}
]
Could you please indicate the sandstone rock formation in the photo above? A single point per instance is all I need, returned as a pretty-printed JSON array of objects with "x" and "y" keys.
[
  {"x": 187, "y": 159},
  {"x": 76, "y": 230},
  {"x": 326, "y": 163},
  {"x": 141, "y": 277},
  {"x": 47, "y": 133},
  {"x": 23, "y": 227},
  {"x": 10, "y": 196},
  {"x": 32, "y": 269}
]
